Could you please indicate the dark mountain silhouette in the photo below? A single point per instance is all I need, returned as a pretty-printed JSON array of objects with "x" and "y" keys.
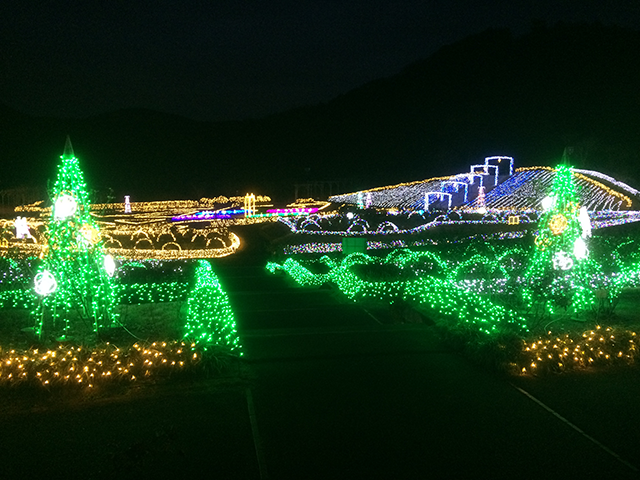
[{"x": 491, "y": 93}]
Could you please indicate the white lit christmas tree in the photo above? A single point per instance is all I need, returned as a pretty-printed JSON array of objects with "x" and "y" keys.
[{"x": 482, "y": 206}]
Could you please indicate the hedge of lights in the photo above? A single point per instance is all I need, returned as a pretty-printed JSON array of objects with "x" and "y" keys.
[{"x": 465, "y": 291}]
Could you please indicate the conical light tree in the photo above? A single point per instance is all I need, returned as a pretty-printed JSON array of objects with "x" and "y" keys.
[
  {"x": 74, "y": 279},
  {"x": 560, "y": 269},
  {"x": 210, "y": 320}
]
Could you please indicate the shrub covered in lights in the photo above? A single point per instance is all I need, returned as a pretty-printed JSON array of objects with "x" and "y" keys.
[{"x": 473, "y": 290}]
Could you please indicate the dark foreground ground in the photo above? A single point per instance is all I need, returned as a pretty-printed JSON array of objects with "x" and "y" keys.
[{"x": 330, "y": 390}]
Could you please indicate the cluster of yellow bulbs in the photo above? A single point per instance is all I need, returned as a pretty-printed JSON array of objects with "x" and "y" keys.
[
  {"x": 91, "y": 366},
  {"x": 601, "y": 346}
]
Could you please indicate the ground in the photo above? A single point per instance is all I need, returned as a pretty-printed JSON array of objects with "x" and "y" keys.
[{"x": 329, "y": 389}]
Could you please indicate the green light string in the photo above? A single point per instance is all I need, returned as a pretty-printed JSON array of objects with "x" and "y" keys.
[
  {"x": 210, "y": 320},
  {"x": 441, "y": 295},
  {"x": 556, "y": 278},
  {"x": 75, "y": 259}
]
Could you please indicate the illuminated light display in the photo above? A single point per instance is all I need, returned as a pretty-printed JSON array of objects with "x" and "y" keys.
[
  {"x": 452, "y": 186},
  {"x": 547, "y": 203},
  {"x": 604, "y": 219},
  {"x": 438, "y": 197},
  {"x": 607, "y": 178},
  {"x": 561, "y": 353},
  {"x": 127, "y": 204},
  {"x": 154, "y": 207},
  {"x": 482, "y": 207},
  {"x": 562, "y": 261},
  {"x": 585, "y": 222},
  {"x": 65, "y": 206},
  {"x": 89, "y": 235},
  {"x": 521, "y": 189},
  {"x": 484, "y": 172},
  {"x": 22, "y": 228},
  {"x": 208, "y": 215},
  {"x": 249, "y": 204},
  {"x": 501, "y": 275},
  {"x": 209, "y": 323},
  {"x": 558, "y": 224},
  {"x": 328, "y": 247},
  {"x": 560, "y": 275},
  {"x": 499, "y": 159},
  {"x": 580, "y": 250},
  {"x": 231, "y": 213},
  {"x": 45, "y": 283},
  {"x": 163, "y": 241},
  {"x": 333, "y": 224},
  {"x": 447, "y": 299},
  {"x": 102, "y": 364},
  {"x": 210, "y": 319},
  {"x": 293, "y": 211},
  {"x": 84, "y": 288},
  {"x": 177, "y": 254},
  {"x": 109, "y": 265}
]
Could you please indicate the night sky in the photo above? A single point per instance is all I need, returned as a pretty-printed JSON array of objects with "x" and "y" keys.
[{"x": 238, "y": 59}]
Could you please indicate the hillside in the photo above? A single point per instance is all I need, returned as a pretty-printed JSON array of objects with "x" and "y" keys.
[{"x": 491, "y": 93}]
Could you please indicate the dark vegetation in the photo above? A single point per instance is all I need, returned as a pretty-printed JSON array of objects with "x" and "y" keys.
[{"x": 528, "y": 96}]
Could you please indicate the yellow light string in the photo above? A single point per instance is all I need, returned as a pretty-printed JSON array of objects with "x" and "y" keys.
[
  {"x": 68, "y": 365},
  {"x": 598, "y": 347}
]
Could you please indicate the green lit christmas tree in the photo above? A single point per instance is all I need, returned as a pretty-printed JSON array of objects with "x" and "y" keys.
[
  {"x": 210, "y": 320},
  {"x": 74, "y": 280},
  {"x": 560, "y": 269}
]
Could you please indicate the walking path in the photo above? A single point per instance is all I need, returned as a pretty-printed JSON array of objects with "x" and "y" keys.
[{"x": 340, "y": 392}]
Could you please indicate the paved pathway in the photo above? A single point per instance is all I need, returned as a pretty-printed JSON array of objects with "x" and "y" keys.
[{"x": 340, "y": 392}]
